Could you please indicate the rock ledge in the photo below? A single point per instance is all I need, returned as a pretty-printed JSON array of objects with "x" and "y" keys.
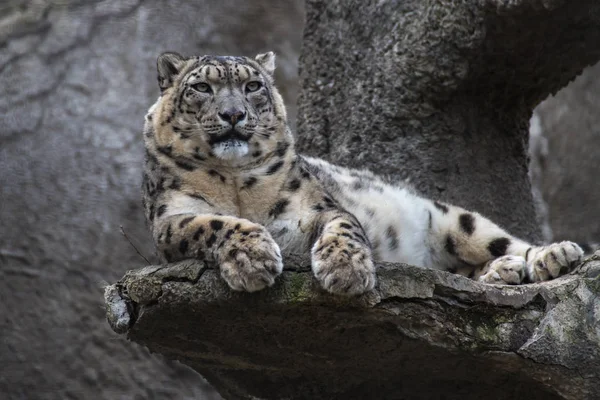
[{"x": 420, "y": 334}]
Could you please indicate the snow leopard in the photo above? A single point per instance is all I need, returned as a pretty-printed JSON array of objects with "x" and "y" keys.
[{"x": 223, "y": 183}]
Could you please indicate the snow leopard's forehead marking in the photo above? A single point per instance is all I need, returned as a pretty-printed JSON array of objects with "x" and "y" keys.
[{"x": 220, "y": 69}]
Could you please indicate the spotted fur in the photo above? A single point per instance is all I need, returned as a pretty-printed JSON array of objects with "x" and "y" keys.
[{"x": 222, "y": 182}]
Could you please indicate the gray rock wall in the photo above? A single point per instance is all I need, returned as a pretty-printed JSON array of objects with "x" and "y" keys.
[
  {"x": 568, "y": 158},
  {"x": 76, "y": 78}
]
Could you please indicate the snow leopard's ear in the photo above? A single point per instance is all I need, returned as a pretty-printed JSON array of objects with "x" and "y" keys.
[
  {"x": 267, "y": 62},
  {"x": 168, "y": 65}
]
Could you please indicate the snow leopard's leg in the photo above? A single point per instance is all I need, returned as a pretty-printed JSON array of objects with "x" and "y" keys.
[
  {"x": 472, "y": 245},
  {"x": 247, "y": 256},
  {"x": 341, "y": 252}
]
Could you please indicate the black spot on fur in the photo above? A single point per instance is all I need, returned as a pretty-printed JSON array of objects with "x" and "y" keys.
[
  {"x": 467, "y": 223},
  {"x": 158, "y": 187},
  {"x": 151, "y": 212},
  {"x": 186, "y": 166},
  {"x": 278, "y": 208},
  {"x": 564, "y": 252},
  {"x": 318, "y": 207},
  {"x": 176, "y": 184},
  {"x": 392, "y": 237},
  {"x": 211, "y": 240},
  {"x": 527, "y": 254},
  {"x": 183, "y": 246},
  {"x": 281, "y": 148},
  {"x": 249, "y": 182},
  {"x": 497, "y": 247},
  {"x": 161, "y": 210},
  {"x": 198, "y": 232},
  {"x": 329, "y": 202},
  {"x": 442, "y": 207},
  {"x": 345, "y": 225},
  {"x": 185, "y": 221},
  {"x": 361, "y": 238},
  {"x": 228, "y": 234},
  {"x": 294, "y": 185},
  {"x": 256, "y": 153},
  {"x": 166, "y": 150},
  {"x": 168, "y": 235},
  {"x": 275, "y": 167},
  {"x": 214, "y": 173},
  {"x": 450, "y": 246},
  {"x": 216, "y": 225}
]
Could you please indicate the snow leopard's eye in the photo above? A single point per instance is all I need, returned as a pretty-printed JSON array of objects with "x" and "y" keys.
[
  {"x": 253, "y": 86},
  {"x": 202, "y": 87}
]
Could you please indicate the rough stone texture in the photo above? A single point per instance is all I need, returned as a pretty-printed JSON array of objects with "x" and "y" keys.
[
  {"x": 76, "y": 79},
  {"x": 441, "y": 91},
  {"x": 569, "y": 165},
  {"x": 421, "y": 334}
]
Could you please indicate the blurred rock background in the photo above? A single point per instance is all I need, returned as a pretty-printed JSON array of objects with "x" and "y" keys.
[
  {"x": 565, "y": 147},
  {"x": 76, "y": 78}
]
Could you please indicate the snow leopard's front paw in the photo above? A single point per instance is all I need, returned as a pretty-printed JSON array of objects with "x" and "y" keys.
[
  {"x": 505, "y": 270},
  {"x": 250, "y": 260},
  {"x": 552, "y": 261},
  {"x": 342, "y": 265}
]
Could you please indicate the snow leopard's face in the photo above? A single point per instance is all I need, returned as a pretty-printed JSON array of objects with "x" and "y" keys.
[{"x": 226, "y": 106}]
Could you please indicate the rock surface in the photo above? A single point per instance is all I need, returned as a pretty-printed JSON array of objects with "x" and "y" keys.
[
  {"x": 569, "y": 168},
  {"x": 421, "y": 334}
]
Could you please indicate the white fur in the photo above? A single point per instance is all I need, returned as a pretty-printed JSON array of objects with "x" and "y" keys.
[
  {"x": 397, "y": 207},
  {"x": 231, "y": 149}
]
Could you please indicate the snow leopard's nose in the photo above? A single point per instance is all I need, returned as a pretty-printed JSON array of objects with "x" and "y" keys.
[{"x": 233, "y": 116}]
